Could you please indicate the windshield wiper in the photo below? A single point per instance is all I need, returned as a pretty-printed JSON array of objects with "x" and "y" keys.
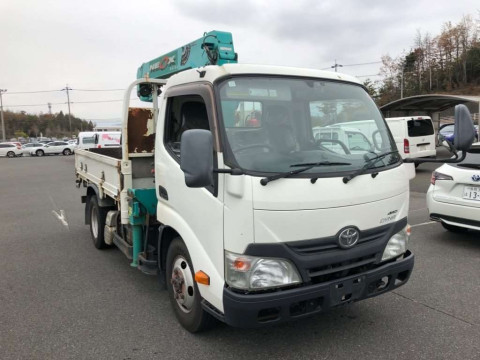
[
  {"x": 307, "y": 166},
  {"x": 368, "y": 165}
]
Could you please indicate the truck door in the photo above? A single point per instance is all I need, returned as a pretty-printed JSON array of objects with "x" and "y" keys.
[{"x": 195, "y": 213}]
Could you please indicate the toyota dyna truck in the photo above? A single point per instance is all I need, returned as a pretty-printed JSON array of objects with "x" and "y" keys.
[{"x": 221, "y": 189}]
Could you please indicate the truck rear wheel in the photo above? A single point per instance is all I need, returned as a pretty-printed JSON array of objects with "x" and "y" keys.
[
  {"x": 97, "y": 223},
  {"x": 183, "y": 290}
]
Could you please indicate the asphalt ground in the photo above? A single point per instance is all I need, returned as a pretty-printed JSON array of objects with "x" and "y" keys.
[{"x": 60, "y": 298}]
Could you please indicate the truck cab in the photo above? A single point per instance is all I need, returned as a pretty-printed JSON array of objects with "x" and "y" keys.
[{"x": 285, "y": 226}]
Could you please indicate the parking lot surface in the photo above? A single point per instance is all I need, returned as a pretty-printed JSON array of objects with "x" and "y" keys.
[{"x": 60, "y": 298}]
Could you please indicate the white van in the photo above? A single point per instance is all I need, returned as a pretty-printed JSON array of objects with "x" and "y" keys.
[
  {"x": 85, "y": 140},
  {"x": 107, "y": 139},
  {"x": 414, "y": 136}
]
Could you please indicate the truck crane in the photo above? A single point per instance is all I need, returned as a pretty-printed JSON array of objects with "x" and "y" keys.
[{"x": 252, "y": 223}]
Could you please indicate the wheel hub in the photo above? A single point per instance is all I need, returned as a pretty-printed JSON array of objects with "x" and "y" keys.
[{"x": 182, "y": 284}]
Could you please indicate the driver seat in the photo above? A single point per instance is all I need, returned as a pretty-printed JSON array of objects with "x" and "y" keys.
[{"x": 280, "y": 133}]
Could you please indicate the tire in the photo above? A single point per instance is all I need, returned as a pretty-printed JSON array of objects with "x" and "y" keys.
[
  {"x": 97, "y": 223},
  {"x": 67, "y": 152},
  {"x": 453, "y": 228},
  {"x": 11, "y": 154},
  {"x": 180, "y": 282},
  {"x": 39, "y": 153}
]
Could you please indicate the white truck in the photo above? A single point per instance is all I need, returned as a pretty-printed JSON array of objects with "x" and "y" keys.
[{"x": 249, "y": 224}]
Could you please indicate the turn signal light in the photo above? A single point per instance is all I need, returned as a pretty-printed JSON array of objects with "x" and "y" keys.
[
  {"x": 241, "y": 264},
  {"x": 202, "y": 278}
]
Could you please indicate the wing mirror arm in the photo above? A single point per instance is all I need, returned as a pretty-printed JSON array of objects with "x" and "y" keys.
[{"x": 454, "y": 160}]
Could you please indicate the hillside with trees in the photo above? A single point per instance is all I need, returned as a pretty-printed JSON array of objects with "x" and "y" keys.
[
  {"x": 446, "y": 63},
  {"x": 22, "y": 124}
]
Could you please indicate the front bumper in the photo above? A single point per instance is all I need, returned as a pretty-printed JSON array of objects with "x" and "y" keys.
[{"x": 256, "y": 310}]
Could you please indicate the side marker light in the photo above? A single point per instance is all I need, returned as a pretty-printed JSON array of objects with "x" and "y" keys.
[{"x": 202, "y": 278}]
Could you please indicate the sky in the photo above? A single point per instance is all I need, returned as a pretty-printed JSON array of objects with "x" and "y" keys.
[{"x": 98, "y": 45}]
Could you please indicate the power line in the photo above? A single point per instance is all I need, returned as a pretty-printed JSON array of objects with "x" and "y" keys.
[
  {"x": 343, "y": 65},
  {"x": 71, "y": 102},
  {"x": 358, "y": 76},
  {"x": 33, "y": 92},
  {"x": 9, "y": 106},
  {"x": 98, "y": 101},
  {"x": 98, "y": 89},
  {"x": 367, "y": 63},
  {"x": 48, "y": 91}
]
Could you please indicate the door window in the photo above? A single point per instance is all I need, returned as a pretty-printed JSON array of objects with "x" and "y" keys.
[{"x": 184, "y": 113}]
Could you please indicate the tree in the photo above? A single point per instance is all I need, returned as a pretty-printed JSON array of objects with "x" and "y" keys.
[{"x": 371, "y": 88}]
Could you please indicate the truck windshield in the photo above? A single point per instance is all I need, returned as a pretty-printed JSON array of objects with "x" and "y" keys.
[{"x": 274, "y": 123}]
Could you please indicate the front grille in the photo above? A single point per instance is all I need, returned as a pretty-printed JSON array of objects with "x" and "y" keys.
[
  {"x": 311, "y": 247},
  {"x": 341, "y": 269}
]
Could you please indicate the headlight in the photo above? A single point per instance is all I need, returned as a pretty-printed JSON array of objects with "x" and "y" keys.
[
  {"x": 254, "y": 273},
  {"x": 397, "y": 245}
]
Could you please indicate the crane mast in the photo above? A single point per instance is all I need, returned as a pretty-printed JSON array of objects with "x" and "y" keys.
[{"x": 213, "y": 48}]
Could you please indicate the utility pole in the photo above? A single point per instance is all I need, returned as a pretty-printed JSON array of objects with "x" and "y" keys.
[
  {"x": 336, "y": 65},
  {"x": 401, "y": 86},
  {"x": 68, "y": 100},
  {"x": 49, "y": 108},
  {"x": 1, "y": 113}
]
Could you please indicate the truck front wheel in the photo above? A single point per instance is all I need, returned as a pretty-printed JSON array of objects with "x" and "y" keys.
[
  {"x": 97, "y": 223},
  {"x": 183, "y": 290}
]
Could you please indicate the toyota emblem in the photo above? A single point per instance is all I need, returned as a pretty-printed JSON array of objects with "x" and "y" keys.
[{"x": 348, "y": 237}]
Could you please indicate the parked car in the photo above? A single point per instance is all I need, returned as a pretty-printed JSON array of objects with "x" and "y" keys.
[
  {"x": 16, "y": 143},
  {"x": 54, "y": 147},
  {"x": 445, "y": 132},
  {"x": 26, "y": 149},
  {"x": 453, "y": 197},
  {"x": 10, "y": 150}
]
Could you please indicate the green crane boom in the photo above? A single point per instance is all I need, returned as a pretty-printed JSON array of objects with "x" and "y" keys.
[{"x": 213, "y": 48}]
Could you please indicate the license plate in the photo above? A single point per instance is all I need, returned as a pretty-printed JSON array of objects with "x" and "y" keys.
[{"x": 471, "y": 193}]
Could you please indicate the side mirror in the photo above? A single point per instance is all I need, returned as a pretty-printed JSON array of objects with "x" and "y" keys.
[
  {"x": 464, "y": 131},
  {"x": 196, "y": 157}
]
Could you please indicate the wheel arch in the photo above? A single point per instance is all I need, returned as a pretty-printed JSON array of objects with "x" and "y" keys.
[
  {"x": 166, "y": 234},
  {"x": 201, "y": 258},
  {"x": 92, "y": 190}
]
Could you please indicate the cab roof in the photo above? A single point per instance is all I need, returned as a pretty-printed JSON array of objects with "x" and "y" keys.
[{"x": 213, "y": 72}]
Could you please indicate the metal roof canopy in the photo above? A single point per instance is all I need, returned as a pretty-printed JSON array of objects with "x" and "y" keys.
[{"x": 428, "y": 103}]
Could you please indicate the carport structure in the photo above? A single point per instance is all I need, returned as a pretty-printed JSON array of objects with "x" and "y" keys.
[{"x": 431, "y": 105}]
